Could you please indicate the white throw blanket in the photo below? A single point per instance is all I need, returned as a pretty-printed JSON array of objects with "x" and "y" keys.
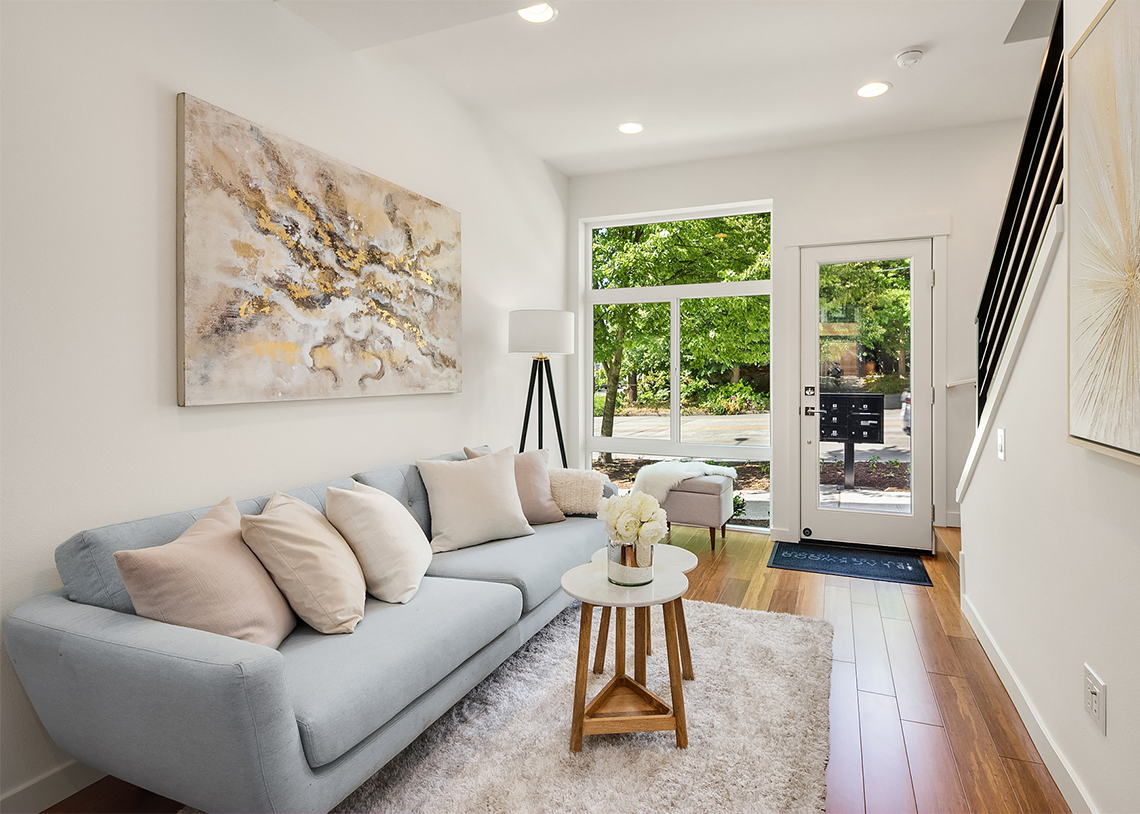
[{"x": 657, "y": 479}]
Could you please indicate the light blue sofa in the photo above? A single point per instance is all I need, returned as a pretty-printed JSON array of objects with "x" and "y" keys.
[{"x": 225, "y": 725}]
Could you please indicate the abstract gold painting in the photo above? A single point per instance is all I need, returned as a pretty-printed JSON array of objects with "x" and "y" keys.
[
  {"x": 1103, "y": 191},
  {"x": 302, "y": 277}
]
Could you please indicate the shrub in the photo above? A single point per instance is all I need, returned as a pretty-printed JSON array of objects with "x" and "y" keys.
[
  {"x": 738, "y": 505},
  {"x": 889, "y": 383},
  {"x": 733, "y": 399}
]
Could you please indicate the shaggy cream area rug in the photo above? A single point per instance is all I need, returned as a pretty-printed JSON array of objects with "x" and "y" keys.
[{"x": 757, "y": 716}]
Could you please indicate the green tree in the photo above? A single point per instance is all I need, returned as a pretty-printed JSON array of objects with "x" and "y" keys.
[
  {"x": 715, "y": 332},
  {"x": 876, "y": 295}
]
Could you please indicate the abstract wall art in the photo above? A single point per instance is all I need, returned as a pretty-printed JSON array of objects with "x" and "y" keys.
[
  {"x": 302, "y": 277},
  {"x": 1103, "y": 191}
]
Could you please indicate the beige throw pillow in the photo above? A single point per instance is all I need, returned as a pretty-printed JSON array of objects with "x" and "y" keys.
[
  {"x": 392, "y": 549},
  {"x": 532, "y": 478},
  {"x": 310, "y": 562},
  {"x": 473, "y": 501},
  {"x": 208, "y": 579},
  {"x": 577, "y": 491}
]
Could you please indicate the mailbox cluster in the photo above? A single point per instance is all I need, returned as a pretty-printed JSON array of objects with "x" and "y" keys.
[{"x": 851, "y": 417}]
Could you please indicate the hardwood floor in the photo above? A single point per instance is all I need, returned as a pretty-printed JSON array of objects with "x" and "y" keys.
[{"x": 920, "y": 721}]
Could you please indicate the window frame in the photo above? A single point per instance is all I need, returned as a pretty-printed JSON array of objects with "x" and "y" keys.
[{"x": 672, "y": 294}]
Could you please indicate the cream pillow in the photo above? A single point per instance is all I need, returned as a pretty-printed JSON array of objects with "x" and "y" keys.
[
  {"x": 473, "y": 501},
  {"x": 208, "y": 579},
  {"x": 577, "y": 491},
  {"x": 310, "y": 562},
  {"x": 392, "y": 549},
  {"x": 532, "y": 477}
]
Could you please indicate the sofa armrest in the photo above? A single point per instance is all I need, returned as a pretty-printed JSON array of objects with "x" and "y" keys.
[{"x": 192, "y": 715}]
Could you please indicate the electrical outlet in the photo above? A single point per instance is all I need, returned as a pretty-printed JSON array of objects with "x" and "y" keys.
[
  {"x": 1001, "y": 444},
  {"x": 1095, "y": 698}
]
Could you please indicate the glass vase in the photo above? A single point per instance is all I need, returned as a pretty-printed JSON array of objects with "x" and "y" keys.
[{"x": 629, "y": 564}]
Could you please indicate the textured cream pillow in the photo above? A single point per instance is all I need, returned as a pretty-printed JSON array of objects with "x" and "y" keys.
[
  {"x": 393, "y": 551},
  {"x": 532, "y": 477},
  {"x": 208, "y": 579},
  {"x": 473, "y": 501},
  {"x": 577, "y": 491},
  {"x": 310, "y": 562}
]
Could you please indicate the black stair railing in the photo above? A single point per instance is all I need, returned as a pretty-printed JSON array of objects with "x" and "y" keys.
[{"x": 1035, "y": 191}]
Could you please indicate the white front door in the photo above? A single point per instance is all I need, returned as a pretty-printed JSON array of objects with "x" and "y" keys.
[{"x": 865, "y": 350}]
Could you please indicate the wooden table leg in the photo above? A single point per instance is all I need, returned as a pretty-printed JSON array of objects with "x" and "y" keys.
[
  {"x": 619, "y": 643},
  {"x": 683, "y": 640},
  {"x": 678, "y": 692},
  {"x": 640, "y": 623},
  {"x": 603, "y": 636},
  {"x": 648, "y": 633},
  {"x": 580, "y": 678}
]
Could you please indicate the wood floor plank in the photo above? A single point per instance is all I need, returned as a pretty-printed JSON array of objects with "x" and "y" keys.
[
  {"x": 732, "y": 592},
  {"x": 886, "y": 773},
  {"x": 983, "y": 775},
  {"x": 1006, "y": 728},
  {"x": 783, "y": 601},
  {"x": 787, "y": 580},
  {"x": 837, "y": 610},
  {"x": 937, "y": 787},
  {"x": 912, "y": 686},
  {"x": 863, "y": 592},
  {"x": 811, "y": 597},
  {"x": 891, "y": 602},
  {"x": 945, "y": 598},
  {"x": 110, "y": 794},
  {"x": 1035, "y": 788},
  {"x": 872, "y": 664},
  {"x": 933, "y": 643},
  {"x": 845, "y": 764}
]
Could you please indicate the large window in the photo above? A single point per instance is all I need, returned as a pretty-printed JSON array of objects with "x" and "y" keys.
[{"x": 680, "y": 349}]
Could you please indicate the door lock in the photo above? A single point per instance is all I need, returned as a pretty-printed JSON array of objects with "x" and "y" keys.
[{"x": 809, "y": 391}]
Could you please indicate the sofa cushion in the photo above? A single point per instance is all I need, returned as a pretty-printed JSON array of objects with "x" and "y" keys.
[
  {"x": 86, "y": 561},
  {"x": 405, "y": 484},
  {"x": 344, "y": 688},
  {"x": 533, "y": 564}
]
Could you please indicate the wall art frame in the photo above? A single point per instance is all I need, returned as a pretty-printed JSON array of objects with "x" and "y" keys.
[
  {"x": 1102, "y": 190},
  {"x": 303, "y": 277}
]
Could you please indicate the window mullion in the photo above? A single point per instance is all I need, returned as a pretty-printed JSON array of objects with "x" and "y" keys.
[{"x": 675, "y": 370}]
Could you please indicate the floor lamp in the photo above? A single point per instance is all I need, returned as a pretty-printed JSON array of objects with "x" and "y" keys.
[{"x": 541, "y": 333}]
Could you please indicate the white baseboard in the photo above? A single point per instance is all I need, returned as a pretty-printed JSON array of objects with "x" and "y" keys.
[
  {"x": 1075, "y": 793},
  {"x": 50, "y": 788},
  {"x": 954, "y": 519}
]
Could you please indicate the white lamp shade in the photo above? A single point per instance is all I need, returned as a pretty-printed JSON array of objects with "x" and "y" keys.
[{"x": 541, "y": 332}]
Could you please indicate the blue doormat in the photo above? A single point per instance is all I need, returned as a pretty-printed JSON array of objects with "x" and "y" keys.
[{"x": 864, "y": 563}]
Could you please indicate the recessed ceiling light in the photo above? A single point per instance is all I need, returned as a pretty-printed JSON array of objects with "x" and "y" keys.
[
  {"x": 629, "y": 128},
  {"x": 541, "y": 13},
  {"x": 874, "y": 89}
]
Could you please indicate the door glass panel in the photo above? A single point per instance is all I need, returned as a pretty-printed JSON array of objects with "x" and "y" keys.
[
  {"x": 865, "y": 386},
  {"x": 725, "y": 371},
  {"x": 631, "y": 370}
]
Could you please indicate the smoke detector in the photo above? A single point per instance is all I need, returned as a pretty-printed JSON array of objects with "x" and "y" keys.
[{"x": 908, "y": 59}]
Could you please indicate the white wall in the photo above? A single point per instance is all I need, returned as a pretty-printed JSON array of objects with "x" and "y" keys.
[
  {"x": 849, "y": 188},
  {"x": 1051, "y": 549},
  {"x": 1052, "y": 561},
  {"x": 91, "y": 431}
]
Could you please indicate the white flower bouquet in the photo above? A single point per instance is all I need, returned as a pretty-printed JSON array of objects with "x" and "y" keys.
[{"x": 634, "y": 522}]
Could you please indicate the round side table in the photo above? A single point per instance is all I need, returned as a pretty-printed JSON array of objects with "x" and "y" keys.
[
  {"x": 625, "y": 704},
  {"x": 664, "y": 557}
]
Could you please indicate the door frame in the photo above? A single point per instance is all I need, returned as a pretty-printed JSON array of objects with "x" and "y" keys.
[{"x": 786, "y": 423}]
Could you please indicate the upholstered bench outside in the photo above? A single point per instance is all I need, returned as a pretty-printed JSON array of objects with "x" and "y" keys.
[{"x": 704, "y": 501}]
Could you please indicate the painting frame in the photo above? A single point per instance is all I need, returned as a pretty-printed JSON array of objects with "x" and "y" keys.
[
  {"x": 303, "y": 277},
  {"x": 1102, "y": 91}
]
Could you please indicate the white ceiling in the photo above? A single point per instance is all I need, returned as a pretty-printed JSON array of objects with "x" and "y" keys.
[{"x": 705, "y": 77}]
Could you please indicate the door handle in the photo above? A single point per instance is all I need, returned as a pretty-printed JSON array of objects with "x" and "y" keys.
[{"x": 809, "y": 411}]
